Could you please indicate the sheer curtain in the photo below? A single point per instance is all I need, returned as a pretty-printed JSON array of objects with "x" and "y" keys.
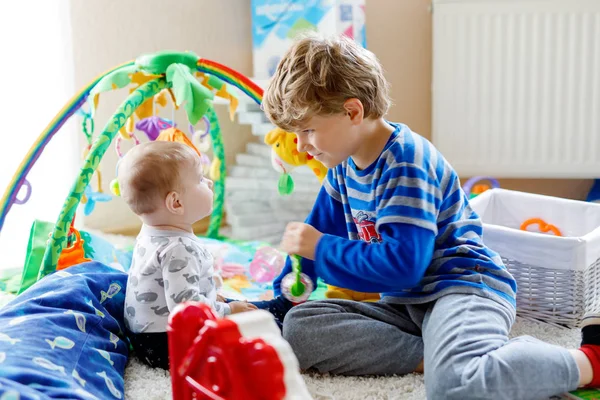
[{"x": 36, "y": 64}]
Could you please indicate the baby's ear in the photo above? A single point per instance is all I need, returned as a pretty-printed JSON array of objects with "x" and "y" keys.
[{"x": 173, "y": 203}]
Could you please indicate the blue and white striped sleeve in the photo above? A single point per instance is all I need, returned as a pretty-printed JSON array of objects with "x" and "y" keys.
[
  {"x": 407, "y": 194},
  {"x": 407, "y": 200}
]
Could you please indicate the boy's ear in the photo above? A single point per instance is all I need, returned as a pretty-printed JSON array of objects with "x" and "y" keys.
[
  {"x": 354, "y": 109},
  {"x": 173, "y": 203}
]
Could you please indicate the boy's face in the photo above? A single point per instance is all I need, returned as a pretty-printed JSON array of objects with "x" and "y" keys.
[
  {"x": 329, "y": 139},
  {"x": 197, "y": 197}
]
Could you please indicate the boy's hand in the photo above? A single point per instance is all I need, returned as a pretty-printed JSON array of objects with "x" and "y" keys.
[
  {"x": 241, "y": 306},
  {"x": 300, "y": 239},
  {"x": 220, "y": 298}
]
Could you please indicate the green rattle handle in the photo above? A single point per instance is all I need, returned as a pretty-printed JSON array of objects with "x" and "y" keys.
[{"x": 298, "y": 288}]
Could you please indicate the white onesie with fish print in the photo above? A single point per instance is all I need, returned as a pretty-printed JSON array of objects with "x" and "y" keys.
[{"x": 168, "y": 267}]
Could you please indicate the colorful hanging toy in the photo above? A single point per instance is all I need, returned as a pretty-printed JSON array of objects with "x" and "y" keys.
[
  {"x": 189, "y": 81},
  {"x": 152, "y": 126},
  {"x": 90, "y": 196}
]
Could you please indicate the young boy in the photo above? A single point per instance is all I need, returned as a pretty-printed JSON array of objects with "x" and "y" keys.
[
  {"x": 392, "y": 218},
  {"x": 162, "y": 182}
]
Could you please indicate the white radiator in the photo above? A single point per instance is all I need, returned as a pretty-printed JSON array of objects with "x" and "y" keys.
[{"x": 516, "y": 87}]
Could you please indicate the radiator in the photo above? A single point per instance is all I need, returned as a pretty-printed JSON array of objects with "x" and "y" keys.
[{"x": 516, "y": 87}]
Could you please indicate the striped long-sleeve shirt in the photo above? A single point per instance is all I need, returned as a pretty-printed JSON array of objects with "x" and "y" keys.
[{"x": 402, "y": 227}]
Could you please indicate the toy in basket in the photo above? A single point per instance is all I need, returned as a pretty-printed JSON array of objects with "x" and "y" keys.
[
  {"x": 557, "y": 265},
  {"x": 242, "y": 356},
  {"x": 477, "y": 185}
]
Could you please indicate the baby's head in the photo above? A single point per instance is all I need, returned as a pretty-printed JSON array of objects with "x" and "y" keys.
[
  {"x": 323, "y": 90},
  {"x": 162, "y": 182}
]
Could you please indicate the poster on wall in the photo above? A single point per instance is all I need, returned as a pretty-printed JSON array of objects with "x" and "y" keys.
[{"x": 275, "y": 24}]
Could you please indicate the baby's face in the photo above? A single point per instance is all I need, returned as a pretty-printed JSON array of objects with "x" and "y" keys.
[{"x": 198, "y": 195}]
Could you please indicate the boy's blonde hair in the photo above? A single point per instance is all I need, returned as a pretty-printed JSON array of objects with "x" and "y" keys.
[
  {"x": 149, "y": 171},
  {"x": 317, "y": 75}
]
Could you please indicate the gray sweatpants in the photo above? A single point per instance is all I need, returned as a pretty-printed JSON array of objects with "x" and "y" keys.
[{"x": 463, "y": 340}]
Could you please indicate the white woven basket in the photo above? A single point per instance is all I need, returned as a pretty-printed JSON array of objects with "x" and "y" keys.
[{"x": 558, "y": 278}]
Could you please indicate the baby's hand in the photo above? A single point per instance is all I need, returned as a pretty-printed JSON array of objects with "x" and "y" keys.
[{"x": 241, "y": 306}]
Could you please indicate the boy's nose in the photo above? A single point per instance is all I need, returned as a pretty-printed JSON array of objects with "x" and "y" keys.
[
  {"x": 302, "y": 145},
  {"x": 209, "y": 183}
]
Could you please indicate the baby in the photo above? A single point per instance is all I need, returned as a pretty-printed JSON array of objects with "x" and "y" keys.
[{"x": 162, "y": 183}]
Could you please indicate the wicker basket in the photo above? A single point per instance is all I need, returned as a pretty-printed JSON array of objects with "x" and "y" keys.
[{"x": 558, "y": 278}]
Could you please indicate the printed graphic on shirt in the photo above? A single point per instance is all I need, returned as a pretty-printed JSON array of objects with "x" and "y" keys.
[{"x": 365, "y": 224}]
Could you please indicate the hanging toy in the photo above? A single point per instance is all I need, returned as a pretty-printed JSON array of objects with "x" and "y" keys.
[
  {"x": 285, "y": 157},
  {"x": 296, "y": 286},
  {"x": 285, "y": 185},
  {"x": 127, "y": 129},
  {"x": 91, "y": 197},
  {"x": 153, "y": 126},
  {"x": 118, "y": 143},
  {"x": 114, "y": 188},
  {"x": 201, "y": 139},
  {"x": 114, "y": 184},
  {"x": 25, "y": 198},
  {"x": 266, "y": 264}
]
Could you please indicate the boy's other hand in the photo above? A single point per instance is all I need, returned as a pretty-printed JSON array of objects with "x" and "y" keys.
[
  {"x": 300, "y": 239},
  {"x": 241, "y": 306},
  {"x": 220, "y": 299}
]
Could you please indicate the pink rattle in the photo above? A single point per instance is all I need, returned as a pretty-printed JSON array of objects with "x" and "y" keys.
[
  {"x": 118, "y": 143},
  {"x": 266, "y": 264}
]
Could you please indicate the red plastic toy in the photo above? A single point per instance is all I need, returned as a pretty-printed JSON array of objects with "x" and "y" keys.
[{"x": 212, "y": 358}]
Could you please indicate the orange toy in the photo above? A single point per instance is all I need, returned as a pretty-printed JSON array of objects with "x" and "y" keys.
[
  {"x": 72, "y": 255},
  {"x": 175, "y": 135},
  {"x": 480, "y": 188},
  {"x": 544, "y": 227}
]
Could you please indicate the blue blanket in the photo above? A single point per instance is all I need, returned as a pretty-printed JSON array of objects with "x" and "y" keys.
[{"x": 63, "y": 337}]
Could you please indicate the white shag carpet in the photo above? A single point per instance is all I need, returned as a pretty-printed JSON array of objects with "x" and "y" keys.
[{"x": 145, "y": 383}]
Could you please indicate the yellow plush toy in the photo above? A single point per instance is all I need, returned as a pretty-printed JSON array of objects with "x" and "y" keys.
[{"x": 285, "y": 157}]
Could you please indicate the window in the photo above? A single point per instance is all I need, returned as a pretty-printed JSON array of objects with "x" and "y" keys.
[{"x": 37, "y": 69}]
